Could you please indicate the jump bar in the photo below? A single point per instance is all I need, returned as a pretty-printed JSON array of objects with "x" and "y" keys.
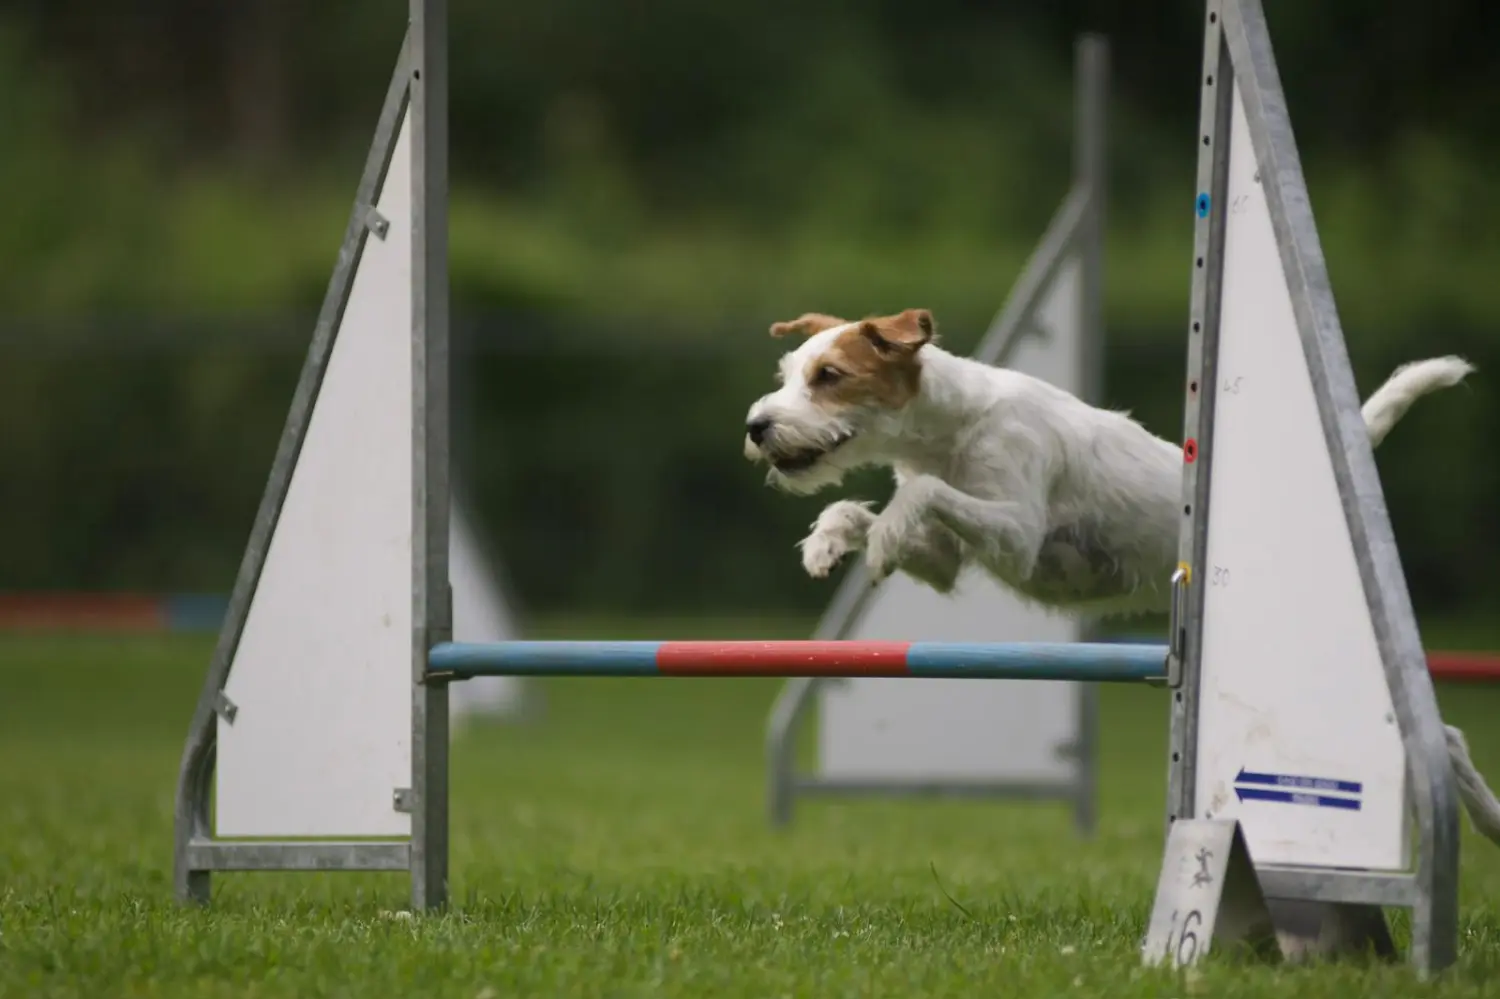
[{"x": 1123, "y": 663}]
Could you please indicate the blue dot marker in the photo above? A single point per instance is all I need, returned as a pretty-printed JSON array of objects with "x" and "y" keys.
[{"x": 1203, "y": 206}]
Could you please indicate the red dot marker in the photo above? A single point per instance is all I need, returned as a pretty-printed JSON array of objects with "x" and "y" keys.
[{"x": 1190, "y": 451}]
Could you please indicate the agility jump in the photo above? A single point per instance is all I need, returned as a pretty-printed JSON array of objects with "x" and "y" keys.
[{"x": 320, "y": 741}]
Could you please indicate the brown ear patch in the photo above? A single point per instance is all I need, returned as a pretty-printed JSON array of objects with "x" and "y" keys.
[
  {"x": 904, "y": 332},
  {"x": 808, "y": 324},
  {"x": 872, "y": 363}
]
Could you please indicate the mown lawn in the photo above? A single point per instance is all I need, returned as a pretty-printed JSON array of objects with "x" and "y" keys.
[{"x": 614, "y": 846}]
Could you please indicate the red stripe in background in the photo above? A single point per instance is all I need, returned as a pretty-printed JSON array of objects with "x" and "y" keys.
[
  {"x": 782, "y": 658},
  {"x": 81, "y": 612},
  {"x": 1471, "y": 666}
]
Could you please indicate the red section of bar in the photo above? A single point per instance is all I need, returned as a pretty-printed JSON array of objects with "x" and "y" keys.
[
  {"x": 782, "y": 658},
  {"x": 81, "y": 612},
  {"x": 1471, "y": 666}
]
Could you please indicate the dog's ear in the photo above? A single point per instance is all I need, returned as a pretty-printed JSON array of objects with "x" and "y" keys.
[
  {"x": 808, "y": 324},
  {"x": 902, "y": 333}
]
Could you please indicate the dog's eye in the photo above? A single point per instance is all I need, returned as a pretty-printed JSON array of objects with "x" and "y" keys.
[{"x": 826, "y": 375}]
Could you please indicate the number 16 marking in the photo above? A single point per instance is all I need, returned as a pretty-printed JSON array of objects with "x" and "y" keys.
[{"x": 1184, "y": 937}]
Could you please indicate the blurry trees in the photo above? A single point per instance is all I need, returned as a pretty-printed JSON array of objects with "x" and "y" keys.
[
  {"x": 673, "y": 72},
  {"x": 672, "y": 175}
]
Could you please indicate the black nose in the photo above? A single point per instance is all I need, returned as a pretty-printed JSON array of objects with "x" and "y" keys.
[{"x": 757, "y": 429}]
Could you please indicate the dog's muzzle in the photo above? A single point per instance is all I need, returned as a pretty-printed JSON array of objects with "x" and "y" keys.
[{"x": 759, "y": 433}]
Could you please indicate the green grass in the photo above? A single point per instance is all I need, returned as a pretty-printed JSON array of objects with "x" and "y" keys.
[{"x": 616, "y": 846}]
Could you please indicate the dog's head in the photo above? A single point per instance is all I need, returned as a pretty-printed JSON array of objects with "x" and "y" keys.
[{"x": 841, "y": 391}]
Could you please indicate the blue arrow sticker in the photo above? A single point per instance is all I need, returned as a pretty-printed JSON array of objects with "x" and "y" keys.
[
  {"x": 1300, "y": 783},
  {"x": 1293, "y": 789}
]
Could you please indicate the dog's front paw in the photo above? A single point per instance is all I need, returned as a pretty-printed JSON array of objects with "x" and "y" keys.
[
  {"x": 820, "y": 553},
  {"x": 839, "y": 530}
]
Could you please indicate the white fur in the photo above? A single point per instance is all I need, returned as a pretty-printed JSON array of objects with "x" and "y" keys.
[
  {"x": 1071, "y": 506},
  {"x": 1405, "y": 386},
  {"x": 1478, "y": 799}
]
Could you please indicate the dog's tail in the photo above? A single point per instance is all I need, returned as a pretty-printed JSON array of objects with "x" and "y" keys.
[
  {"x": 1479, "y": 801},
  {"x": 1406, "y": 385}
]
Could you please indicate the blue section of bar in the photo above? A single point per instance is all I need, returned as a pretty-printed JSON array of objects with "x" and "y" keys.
[
  {"x": 545, "y": 658},
  {"x": 194, "y": 612},
  {"x": 1108, "y": 663}
]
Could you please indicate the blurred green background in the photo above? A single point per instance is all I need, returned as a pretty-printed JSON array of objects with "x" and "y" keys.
[{"x": 638, "y": 191}]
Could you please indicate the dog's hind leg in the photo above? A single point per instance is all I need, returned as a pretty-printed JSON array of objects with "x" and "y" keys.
[
  {"x": 934, "y": 555},
  {"x": 1004, "y": 536}
]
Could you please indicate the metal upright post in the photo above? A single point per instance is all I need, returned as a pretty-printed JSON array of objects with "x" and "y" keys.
[
  {"x": 1215, "y": 89},
  {"x": 432, "y": 609}
]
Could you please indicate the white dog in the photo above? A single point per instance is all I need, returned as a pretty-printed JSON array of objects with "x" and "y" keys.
[{"x": 1071, "y": 506}]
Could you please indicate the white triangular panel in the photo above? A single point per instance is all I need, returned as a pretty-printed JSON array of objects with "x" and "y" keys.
[
  {"x": 321, "y": 679},
  {"x": 964, "y": 730},
  {"x": 1297, "y": 734},
  {"x": 480, "y": 614}
]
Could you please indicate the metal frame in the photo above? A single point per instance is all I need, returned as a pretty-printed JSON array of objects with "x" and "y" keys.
[
  {"x": 1077, "y": 226},
  {"x": 1237, "y": 48},
  {"x": 419, "y": 88}
]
